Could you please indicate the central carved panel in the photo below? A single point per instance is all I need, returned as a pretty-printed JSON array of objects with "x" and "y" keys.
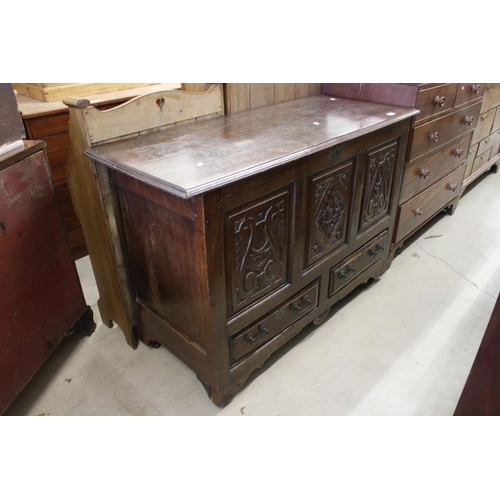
[
  {"x": 378, "y": 183},
  {"x": 328, "y": 211},
  {"x": 257, "y": 240}
]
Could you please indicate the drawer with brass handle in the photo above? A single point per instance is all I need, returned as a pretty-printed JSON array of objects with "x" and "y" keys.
[
  {"x": 436, "y": 133},
  {"x": 271, "y": 325},
  {"x": 355, "y": 264},
  {"x": 426, "y": 204},
  {"x": 491, "y": 96},
  {"x": 485, "y": 144},
  {"x": 480, "y": 160},
  {"x": 483, "y": 127}
]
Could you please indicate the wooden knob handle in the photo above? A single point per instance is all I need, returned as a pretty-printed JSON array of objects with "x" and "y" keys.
[
  {"x": 475, "y": 88},
  {"x": 424, "y": 173},
  {"x": 439, "y": 101},
  {"x": 452, "y": 187},
  {"x": 458, "y": 152},
  {"x": 469, "y": 120},
  {"x": 417, "y": 211},
  {"x": 434, "y": 137}
]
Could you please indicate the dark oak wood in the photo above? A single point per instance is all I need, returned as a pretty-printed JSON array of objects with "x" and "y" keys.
[
  {"x": 481, "y": 393},
  {"x": 232, "y": 258},
  {"x": 42, "y": 300}
]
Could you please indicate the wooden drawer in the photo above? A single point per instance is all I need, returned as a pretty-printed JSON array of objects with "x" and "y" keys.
[
  {"x": 483, "y": 127},
  {"x": 57, "y": 142},
  {"x": 354, "y": 265},
  {"x": 496, "y": 120},
  {"x": 48, "y": 125},
  {"x": 495, "y": 147},
  {"x": 434, "y": 134},
  {"x": 491, "y": 96},
  {"x": 273, "y": 324},
  {"x": 435, "y": 101},
  {"x": 480, "y": 160},
  {"x": 58, "y": 158},
  {"x": 423, "y": 172},
  {"x": 471, "y": 156},
  {"x": 469, "y": 92},
  {"x": 419, "y": 209},
  {"x": 485, "y": 144}
]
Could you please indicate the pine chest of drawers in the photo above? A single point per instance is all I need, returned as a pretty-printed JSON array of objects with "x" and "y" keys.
[
  {"x": 484, "y": 153},
  {"x": 240, "y": 230}
]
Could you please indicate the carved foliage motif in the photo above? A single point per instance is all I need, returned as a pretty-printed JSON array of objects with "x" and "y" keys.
[
  {"x": 378, "y": 182},
  {"x": 331, "y": 202},
  {"x": 260, "y": 250}
]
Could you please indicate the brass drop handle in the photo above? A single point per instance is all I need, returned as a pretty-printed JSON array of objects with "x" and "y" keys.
[
  {"x": 306, "y": 300},
  {"x": 252, "y": 340},
  {"x": 487, "y": 141},
  {"x": 458, "y": 152},
  {"x": 439, "y": 101},
  {"x": 453, "y": 187},
  {"x": 475, "y": 88},
  {"x": 417, "y": 211},
  {"x": 424, "y": 173},
  {"x": 469, "y": 120},
  {"x": 489, "y": 87},
  {"x": 346, "y": 275},
  {"x": 434, "y": 137},
  {"x": 378, "y": 249},
  {"x": 483, "y": 117}
]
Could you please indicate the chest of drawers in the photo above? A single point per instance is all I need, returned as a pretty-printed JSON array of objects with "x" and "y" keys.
[
  {"x": 484, "y": 153},
  {"x": 241, "y": 230},
  {"x": 438, "y": 149}
]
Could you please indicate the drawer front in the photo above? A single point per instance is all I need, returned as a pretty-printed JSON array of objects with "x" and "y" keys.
[
  {"x": 354, "y": 265},
  {"x": 480, "y": 160},
  {"x": 496, "y": 120},
  {"x": 271, "y": 325},
  {"x": 49, "y": 125},
  {"x": 468, "y": 92},
  {"x": 485, "y": 144},
  {"x": 419, "y": 209},
  {"x": 483, "y": 126},
  {"x": 495, "y": 147},
  {"x": 491, "y": 96},
  {"x": 58, "y": 158},
  {"x": 471, "y": 156},
  {"x": 422, "y": 173},
  {"x": 433, "y": 135},
  {"x": 57, "y": 142},
  {"x": 435, "y": 101}
]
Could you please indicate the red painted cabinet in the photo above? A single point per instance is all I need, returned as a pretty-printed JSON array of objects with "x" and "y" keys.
[{"x": 41, "y": 299}]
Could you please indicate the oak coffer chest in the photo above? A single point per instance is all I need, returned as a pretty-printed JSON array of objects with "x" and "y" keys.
[{"x": 238, "y": 231}]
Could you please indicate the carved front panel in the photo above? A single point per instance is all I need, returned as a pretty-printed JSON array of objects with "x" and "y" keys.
[
  {"x": 377, "y": 186},
  {"x": 257, "y": 244},
  {"x": 329, "y": 206}
]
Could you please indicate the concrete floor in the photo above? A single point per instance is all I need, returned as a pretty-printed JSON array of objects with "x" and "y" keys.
[{"x": 402, "y": 346}]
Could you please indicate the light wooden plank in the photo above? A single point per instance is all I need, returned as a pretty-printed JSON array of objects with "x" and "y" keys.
[
  {"x": 284, "y": 92},
  {"x": 261, "y": 95},
  {"x": 152, "y": 111}
]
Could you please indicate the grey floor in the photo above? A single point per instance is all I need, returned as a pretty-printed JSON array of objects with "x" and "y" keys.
[{"x": 402, "y": 346}]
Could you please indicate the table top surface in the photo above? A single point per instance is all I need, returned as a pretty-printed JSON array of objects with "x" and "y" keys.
[{"x": 194, "y": 158}]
